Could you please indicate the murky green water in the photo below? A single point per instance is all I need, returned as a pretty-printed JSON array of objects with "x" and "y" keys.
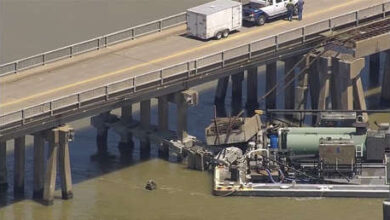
[{"x": 115, "y": 189}]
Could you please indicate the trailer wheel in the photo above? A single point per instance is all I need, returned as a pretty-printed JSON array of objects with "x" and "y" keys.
[
  {"x": 218, "y": 36},
  {"x": 260, "y": 20},
  {"x": 225, "y": 33}
]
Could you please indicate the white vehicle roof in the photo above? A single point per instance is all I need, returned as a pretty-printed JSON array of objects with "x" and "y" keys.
[
  {"x": 258, "y": 1},
  {"x": 213, "y": 7}
]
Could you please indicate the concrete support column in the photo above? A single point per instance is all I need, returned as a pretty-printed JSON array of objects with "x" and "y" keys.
[
  {"x": 314, "y": 84},
  {"x": 251, "y": 102},
  {"x": 19, "y": 163},
  {"x": 163, "y": 114},
  {"x": 126, "y": 143},
  {"x": 39, "y": 165},
  {"x": 102, "y": 131},
  {"x": 270, "y": 77},
  {"x": 126, "y": 113},
  {"x": 301, "y": 91},
  {"x": 385, "y": 96},
  {"x": 145, "y": 124},
  {"x": 181, "y": 103},
  {"x": 374, "y": 69},
  {"x": 289, "y": 92},
  {"x": 324, "y": 68},
  {"x": 348, "y": 69},
  {"x": 3, "y": 166},
  {"x": 51, "y": 168},
  {"x": 64, "y": 162},
  {"x": 145, "y": 114},
  {"x": 220, "y": 95},
  {"x": 237, "y": 93}
]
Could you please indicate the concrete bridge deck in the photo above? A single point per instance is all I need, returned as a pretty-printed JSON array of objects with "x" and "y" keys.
[
  {"x": 40, "y": 101},
  {"x": 72, "y": 77},
  {"x": 137, "y": 57}
]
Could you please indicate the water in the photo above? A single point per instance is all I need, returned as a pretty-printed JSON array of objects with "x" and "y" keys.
[{"x": 115, "y": 189}]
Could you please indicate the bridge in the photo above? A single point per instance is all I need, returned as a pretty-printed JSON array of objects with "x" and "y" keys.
[{"x": 40, "y": 94}]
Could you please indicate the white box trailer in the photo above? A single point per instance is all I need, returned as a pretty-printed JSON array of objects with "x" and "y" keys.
[{"x": 214, "y": 19}]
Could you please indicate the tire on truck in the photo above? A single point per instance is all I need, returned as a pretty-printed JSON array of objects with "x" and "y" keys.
[{"x": 260, "y": 20}]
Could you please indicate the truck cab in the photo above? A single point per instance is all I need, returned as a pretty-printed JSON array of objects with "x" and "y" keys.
[{"x": 260, "y": 11}]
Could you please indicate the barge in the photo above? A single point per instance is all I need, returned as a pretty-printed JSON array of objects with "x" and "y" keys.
[{"x": 338, "y": 158}]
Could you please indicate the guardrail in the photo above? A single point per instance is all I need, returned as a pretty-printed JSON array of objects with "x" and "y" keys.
[
  {"x": 93, "y": 44},
  {"x": 192, "y": 68}
]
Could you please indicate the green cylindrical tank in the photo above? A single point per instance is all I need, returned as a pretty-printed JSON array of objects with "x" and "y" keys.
[{"x": 306, "y": 140}]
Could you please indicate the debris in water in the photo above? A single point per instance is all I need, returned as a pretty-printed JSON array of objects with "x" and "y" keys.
[{"x": 151, "y": 185}]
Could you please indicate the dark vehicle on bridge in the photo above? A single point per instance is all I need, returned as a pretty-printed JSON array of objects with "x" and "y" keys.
[{"x": 261, "y": 11}]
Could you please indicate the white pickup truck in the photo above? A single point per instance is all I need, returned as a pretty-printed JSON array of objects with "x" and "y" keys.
[{"x": 260, "y": 11}]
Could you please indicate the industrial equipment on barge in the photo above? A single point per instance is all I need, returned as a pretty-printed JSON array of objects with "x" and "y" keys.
[{"x": 347, "y": 161}]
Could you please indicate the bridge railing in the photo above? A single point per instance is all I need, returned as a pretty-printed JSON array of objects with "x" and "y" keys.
[
  {"x": 93, "y": 44},
  {"x": 193, "y": 68}
]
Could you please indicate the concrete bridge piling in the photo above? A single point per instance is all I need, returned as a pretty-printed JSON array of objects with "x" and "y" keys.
[
  {"x": 271, "y": 78},
  {"x": 3, "y": 166},
  {"x": 220, "y": 96},
  {"x": 58, "y": 139},
  {"x": 237, "y": 92},
  {"x": 39, "y": 164},
  {"x": 251, "y": 95},
  {"x": 163, "y": 116},
  {"x": 19, "y": 165},
  {"x": 374, "y": 71},
  {"x": 43, "y": 179},
  {"x": 386, "y": 80}
]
